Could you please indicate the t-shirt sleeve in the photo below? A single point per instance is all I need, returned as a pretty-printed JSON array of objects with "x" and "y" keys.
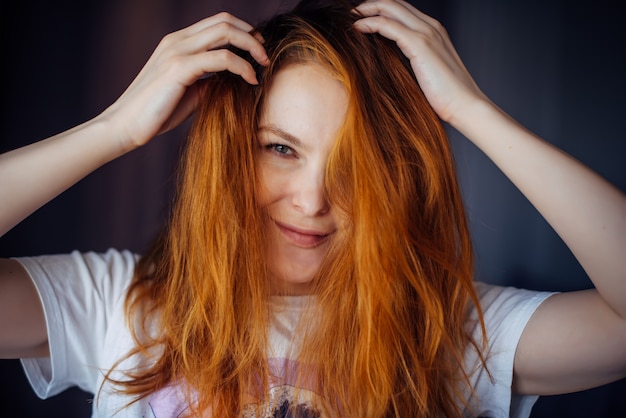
[
  {"x": 506, "y": 311},
  {"x": 79, "y": 291}
]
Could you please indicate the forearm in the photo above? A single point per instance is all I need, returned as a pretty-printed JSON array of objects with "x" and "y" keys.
[
  {"x": 587, "y": 212},
  {"x": 33, "y": 175}
]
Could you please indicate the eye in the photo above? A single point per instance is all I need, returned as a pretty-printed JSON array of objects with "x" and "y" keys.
[{"x": 280, "y": 149}]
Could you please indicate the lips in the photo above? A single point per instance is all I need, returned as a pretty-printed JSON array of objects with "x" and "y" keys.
[{"x": 304, "y": 238}]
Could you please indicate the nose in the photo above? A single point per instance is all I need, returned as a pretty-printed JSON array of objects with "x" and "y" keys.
[{"x": 309, "y": 195}]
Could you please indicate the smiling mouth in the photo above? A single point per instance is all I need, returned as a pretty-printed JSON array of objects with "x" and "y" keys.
[{"x": 302, "y": 238}]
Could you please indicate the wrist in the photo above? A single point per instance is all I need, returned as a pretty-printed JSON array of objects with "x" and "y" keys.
[
  {"x": 112, "y": 122},
  {"x": 473, "y": 112}
]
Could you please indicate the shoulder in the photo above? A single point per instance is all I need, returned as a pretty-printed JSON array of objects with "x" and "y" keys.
[
  {"x": 81, "y": 281},
  {"x": 575, "y": 341},
  {"x": 111, "y": 260},
  {"x": 93, "y": 266},
  {"x": 505, "y": 306},
  {"x": 505, "y": 311},
  {"x": 82, "y": 295}
]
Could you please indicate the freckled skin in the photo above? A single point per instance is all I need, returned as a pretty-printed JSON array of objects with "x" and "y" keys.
[{"x": 304, "y": 109}]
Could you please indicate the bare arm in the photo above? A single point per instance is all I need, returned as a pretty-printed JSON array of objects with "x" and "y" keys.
[
  {"x": 21, "y": 314},
  {"x": 574, "y": 340},
  {"x": 162, "y": 96},
  {"x": 35, "y": 174},
  {"x": 587, "y": 212}
]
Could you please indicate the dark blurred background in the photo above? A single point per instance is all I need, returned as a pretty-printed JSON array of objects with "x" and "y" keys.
[{"x": 557, "y": 66}]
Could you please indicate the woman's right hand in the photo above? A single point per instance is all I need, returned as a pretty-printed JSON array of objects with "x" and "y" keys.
[
  {"x": 165, "y": 92},
  {"x": 162, "y": 96}
]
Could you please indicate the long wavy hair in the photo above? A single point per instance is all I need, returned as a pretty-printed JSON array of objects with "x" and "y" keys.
[{"x": 391, "y": 298}]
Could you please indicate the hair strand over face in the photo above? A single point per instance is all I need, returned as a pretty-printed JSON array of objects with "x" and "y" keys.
[{"x": 389, "y": 335}]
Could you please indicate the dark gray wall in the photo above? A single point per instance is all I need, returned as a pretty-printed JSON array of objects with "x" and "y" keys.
[{"x": 556, "y": 66}]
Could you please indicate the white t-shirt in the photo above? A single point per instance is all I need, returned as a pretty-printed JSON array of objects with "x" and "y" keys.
[{"x": 83, "y": 299}]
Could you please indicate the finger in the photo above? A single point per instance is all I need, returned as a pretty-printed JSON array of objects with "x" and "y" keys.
[
  {"x": 223, "y": 60},
  {"x": 257, "y": 36},
  {"x": 220, "y": 35},
  {"x": 389, "y": 28},
  {"x": 400, "y": 11},
  {"x": 426, "y": 18},
  {"x": 212, "y": 21},
  {"x": 225, "y": 17}
]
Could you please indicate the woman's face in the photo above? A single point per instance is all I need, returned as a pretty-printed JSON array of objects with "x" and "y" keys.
[{"x": 300, "y": 117}]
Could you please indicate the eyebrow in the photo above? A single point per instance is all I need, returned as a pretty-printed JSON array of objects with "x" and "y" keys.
[{"x": 281, "y": 133}]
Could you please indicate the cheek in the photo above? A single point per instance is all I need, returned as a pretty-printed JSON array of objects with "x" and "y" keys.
[
  {"x": 262, "y": 194},
  {"x": 260, "y": 190},
  {"x": 271, "y": 185}
]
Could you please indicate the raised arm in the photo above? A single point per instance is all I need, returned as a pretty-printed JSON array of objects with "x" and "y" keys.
[
  {"x": 163, "y": 95},
  {"x": 575, "y": 340}
]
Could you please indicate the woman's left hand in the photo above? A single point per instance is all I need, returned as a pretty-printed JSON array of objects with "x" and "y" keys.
[
  {"x": 575, "y": 340},
  {"x": 438, "y": 68}
]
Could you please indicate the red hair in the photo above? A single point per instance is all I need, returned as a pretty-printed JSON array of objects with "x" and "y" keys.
[{"x": 393, "y": 294}]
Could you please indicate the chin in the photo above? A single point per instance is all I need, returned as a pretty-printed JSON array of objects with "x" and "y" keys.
[{"x": 293, "y": 280}]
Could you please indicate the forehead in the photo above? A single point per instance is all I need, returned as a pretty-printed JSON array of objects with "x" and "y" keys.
[{"x": 306, "y": 101}]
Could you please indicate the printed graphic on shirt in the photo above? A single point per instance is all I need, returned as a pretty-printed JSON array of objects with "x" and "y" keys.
[{"x": 285, "y": 399}]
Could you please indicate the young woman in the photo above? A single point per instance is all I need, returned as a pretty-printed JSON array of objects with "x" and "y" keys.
[{"x": 317, "y": 261}]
